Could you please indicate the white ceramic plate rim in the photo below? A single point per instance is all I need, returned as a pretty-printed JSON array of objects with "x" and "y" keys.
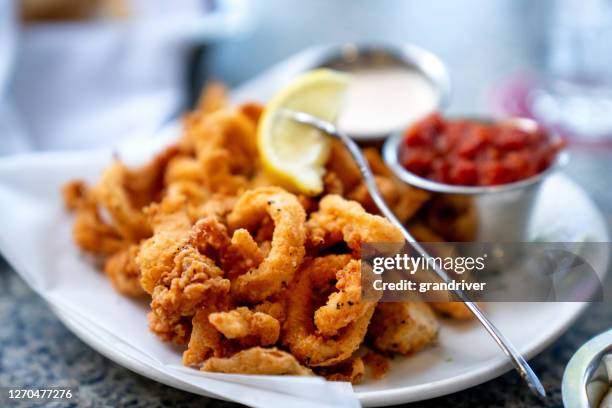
[{"x": 387, "y": 397}]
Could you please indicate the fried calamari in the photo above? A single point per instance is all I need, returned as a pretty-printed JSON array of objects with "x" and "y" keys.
[
  {"x": 249, "y": 277},
  {"x": 286, "y": 251},
  {"x": 257, "y": 360},
  {"x": 404, "y": 327}
]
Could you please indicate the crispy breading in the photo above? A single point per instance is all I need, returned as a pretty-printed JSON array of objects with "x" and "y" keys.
[
  {"x": 124, "y": 192},
  {"x": 403, "y": 327},
  {"x": 171, "y": 225},
  {"x": 351, "y": 370},
  {"x": 257, "y": 360},
  {"x": 123, "y": 272},
  {"x": 224, "y": 144},
  {"x": 204, "y": 342},
  {"x": 276, "y": 270},
  {"x": 377, "y": 363},
  {"x": 346, "y": 305},
  {"x": 248, "y": 327},
  {"x": 299, "y": 332},
  {"x": 89, "y": 231},
  {"x": 128, "y": 219},
  {"x": 189, "y": 278},
  {"x": 342, "y": 220},
  {"x": 234, "y": 263},
  {"x": 213, "y": 98}
]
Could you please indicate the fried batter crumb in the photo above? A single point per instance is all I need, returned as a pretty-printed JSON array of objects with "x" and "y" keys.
[{"x": 377, "y": 363}]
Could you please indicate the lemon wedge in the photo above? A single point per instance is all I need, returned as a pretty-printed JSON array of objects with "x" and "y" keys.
[{"x": 295, "y": 153}]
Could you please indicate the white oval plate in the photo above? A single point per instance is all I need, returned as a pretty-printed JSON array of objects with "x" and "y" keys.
[{"x": 465, "y": 356}]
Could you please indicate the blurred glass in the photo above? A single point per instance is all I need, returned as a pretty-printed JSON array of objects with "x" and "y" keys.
[{"x": 576, "y": 92}]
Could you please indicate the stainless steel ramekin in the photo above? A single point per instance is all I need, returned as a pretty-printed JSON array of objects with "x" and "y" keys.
[
  {"x": 586, "y": 379},
  {"x": 351, "y": 56},
  {"x": 502, "y": 212}
]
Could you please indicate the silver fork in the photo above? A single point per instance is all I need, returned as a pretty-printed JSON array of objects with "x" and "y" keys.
[{"x": 519, "y": 363}]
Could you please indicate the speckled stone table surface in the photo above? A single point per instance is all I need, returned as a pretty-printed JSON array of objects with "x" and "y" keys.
[
  {"x": 499, "y": 37},
  {"x": 36, "y": 350}
]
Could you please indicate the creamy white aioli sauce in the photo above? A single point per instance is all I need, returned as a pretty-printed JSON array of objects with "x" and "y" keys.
[{"x": 381, "y": 100}]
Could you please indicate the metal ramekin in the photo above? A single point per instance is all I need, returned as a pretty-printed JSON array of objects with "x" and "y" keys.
[
  {"x": 585, "y": 380},
  {"x": 502, "y": 212}
]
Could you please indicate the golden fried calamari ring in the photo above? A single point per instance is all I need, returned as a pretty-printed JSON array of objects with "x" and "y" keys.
[
  {"x": 76, "y": 195},
  {"x": 123, "y": 192},
  {"x": 342, "y": 164},
  {"x": 170, "y": 327},
  {"x": 145, "y": 184},
  {"x": 122, "y": 270},
  {"x": 250, "y": 328},
  {"x": 287, "y": 247},
  {"x": 110, "y": 191},
  {"x": 338, "y": 219},
  {"x": 299, "y": 333},
  {"x": 89, "y": 231},
  {"x": 252, "y": 110},
  {"x": 257, "y": 360},
  {"x": 225, "y": 147}
]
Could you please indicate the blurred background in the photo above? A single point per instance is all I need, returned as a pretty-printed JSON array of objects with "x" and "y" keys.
[
  {"x": 88, "y": 73},
  {"x": 94, "y": 73}
]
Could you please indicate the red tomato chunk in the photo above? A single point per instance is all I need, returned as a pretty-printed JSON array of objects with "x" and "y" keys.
[{"x": 470, "y": 153}]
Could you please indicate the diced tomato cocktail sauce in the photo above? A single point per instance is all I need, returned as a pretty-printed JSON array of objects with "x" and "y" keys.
[{"x": 471, "y": 153}]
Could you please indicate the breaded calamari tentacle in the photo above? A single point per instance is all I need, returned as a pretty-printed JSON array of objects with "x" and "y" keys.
[
  {"x": 346, "y": 305},
  {"x": 205, "y": 341}
]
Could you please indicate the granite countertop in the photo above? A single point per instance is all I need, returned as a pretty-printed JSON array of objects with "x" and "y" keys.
[{"x": 36, "y": 350}]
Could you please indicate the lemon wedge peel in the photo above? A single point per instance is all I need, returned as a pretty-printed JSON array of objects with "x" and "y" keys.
[{"x": 295, "y": 154}]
